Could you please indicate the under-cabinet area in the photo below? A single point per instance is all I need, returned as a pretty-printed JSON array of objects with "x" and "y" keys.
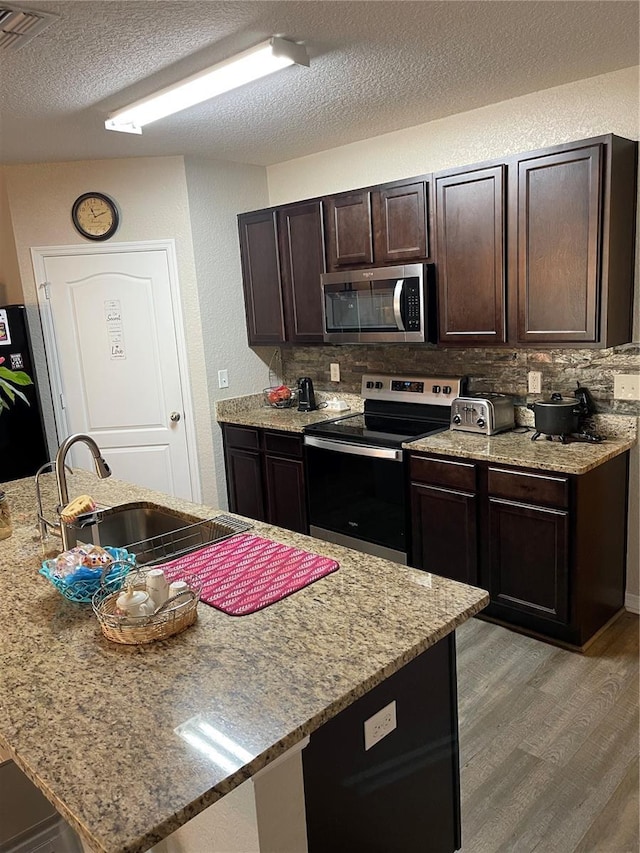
[
  {"x": 532, "y": 249},
  {"x": 549, "y": 547}
]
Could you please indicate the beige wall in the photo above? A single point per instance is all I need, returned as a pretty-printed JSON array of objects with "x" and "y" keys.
[
  {"x": 217, "y": 193},
  {"x": 605, "y": 104},
  {"x": 10, "y": 284},
  {"x": 151, "y": 194}
]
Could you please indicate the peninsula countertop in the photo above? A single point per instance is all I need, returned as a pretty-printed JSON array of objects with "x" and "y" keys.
[{"x": 93, "y": 724}]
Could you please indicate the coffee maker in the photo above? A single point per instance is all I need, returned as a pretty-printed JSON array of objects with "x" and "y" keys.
[{"x": 306, "y": 397}]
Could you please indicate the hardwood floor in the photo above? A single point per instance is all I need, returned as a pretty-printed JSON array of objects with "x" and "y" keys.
[{"x": 548, "y": 742}]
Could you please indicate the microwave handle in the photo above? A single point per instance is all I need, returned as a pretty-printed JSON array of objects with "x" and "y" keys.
[{"x": 397, "y": 304}]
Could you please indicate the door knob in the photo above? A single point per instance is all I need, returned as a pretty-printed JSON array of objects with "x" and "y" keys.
[{"x": 174, "y": 416}]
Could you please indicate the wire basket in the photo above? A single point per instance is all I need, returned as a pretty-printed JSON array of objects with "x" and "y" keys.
[
  {"x": 173, "y": 617},
  {"x": 82, "y": 591}
]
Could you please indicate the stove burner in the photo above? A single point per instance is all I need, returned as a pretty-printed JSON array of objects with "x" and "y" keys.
[{"x": 569, "y": 438}]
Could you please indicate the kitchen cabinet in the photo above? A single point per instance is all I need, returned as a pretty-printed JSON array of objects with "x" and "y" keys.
[
  {"x": 528, "y": 543},
  {"x": 549, "y": 547},
  {"x": 265, "y": 475},
  {"x": 471, "y": 268},
  {"x": 538, "y": 248},
  {"x": 380, "y": 225},
  {"x": 282, "y": 255},
  {"x": 443, "y": 517},
  {"x": 263, "y": 300}
]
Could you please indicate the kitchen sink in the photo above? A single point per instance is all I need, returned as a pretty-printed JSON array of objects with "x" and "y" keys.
[{"x": 154, "y": 533}]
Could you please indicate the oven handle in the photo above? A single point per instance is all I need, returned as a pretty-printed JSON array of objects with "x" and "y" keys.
[
  {"x": 354, "y": 449},
  {"x": 397, "y": 310}
]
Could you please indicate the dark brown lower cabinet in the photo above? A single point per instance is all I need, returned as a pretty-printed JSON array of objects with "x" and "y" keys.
[
  {"x": 265, "y": 476},
  {"x": 549, "y": 547},
  {"x": 529, "y": 559},
  {"x": 443, "y": 517}
]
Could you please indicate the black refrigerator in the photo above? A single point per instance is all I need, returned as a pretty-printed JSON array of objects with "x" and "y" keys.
[{"x": 23, "y": 447}]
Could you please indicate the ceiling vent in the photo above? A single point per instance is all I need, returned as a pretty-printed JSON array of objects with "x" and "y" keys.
[{"x": 18, "y": 26}]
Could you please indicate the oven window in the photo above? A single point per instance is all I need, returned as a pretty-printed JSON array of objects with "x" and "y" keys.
[{"x": 357, "y": 496}]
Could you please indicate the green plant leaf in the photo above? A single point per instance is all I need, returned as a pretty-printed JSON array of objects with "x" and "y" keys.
[
  {"x": 11, "y": 392},
  {"x": 16, "y": 377}
]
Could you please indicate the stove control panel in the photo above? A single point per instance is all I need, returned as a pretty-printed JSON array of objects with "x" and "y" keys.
[{"x": 428, "y": 390}]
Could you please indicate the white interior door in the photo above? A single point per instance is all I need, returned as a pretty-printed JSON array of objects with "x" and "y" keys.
[{"x": 112, "y": 340}]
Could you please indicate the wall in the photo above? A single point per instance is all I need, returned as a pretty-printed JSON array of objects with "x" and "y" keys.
[
  {"x": 217, "y": 193},
  {"x": 605, "y": 104},
  {"x": 152, "y": 196},
  {"x": 10, "y": 285}
]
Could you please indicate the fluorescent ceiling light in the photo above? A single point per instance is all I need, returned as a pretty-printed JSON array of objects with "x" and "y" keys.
[{"x": 258, "y": 61}]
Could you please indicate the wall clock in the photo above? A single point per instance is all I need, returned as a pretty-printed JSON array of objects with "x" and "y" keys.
[{"x": 95, "y": 216}]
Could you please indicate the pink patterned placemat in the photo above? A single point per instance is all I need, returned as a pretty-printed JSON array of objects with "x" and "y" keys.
[{"x": 246, "y": 573}]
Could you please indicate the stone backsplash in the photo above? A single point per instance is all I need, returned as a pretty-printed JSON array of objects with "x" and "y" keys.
[{"x": 489, "y": 369}]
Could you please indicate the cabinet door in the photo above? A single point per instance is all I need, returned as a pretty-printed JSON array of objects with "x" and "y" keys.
[
  {"x": 557, "y": 267},
  {"x": 301, "y": 241},
  {"x": 244, "y": 483},
  {"x": 443, "y": 531},
  {"x": 470, "y": 211},
  {"x": 349, "y": 229},
  {"x": 285, "y": 493},
  {"x": 261, "y": 277},
  {"x": 400, "y": 223},
  {"x": 529, "y": 559}
]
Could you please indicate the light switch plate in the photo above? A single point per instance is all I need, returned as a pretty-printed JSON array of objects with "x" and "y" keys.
[
  {"x": 223, "y": 379},
  {"x": 335, "y": 372},
  {"x": 626, "y": 386}
]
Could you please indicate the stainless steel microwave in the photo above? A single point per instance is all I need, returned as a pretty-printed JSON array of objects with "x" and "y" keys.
[{"x": 380, "y": 305}]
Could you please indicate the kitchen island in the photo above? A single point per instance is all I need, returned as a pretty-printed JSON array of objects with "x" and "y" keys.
[{"x": 97, "y": 726}]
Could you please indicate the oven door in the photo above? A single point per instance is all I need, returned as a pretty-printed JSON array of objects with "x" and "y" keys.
[{"x": 357, "y": 496}]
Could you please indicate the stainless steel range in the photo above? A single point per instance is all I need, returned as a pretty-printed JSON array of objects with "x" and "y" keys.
[{"x": 355, "y": 472}]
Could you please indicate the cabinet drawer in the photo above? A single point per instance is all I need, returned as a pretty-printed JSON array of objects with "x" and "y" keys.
[
  {"x": 283, "y": 443},
  {"x": 443, "y": 472},
  {"x": 530, "y": 488},
  {"x": 242, "y": 437}
]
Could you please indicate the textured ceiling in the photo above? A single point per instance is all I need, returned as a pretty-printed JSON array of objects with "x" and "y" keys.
[{"x": 375, "y": 67}]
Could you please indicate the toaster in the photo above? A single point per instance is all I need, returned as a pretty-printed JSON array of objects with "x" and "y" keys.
[{"x": 486, "y": 414}]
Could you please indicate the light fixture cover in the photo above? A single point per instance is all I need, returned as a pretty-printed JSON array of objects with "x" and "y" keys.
[{"x": 251, "y": 64}]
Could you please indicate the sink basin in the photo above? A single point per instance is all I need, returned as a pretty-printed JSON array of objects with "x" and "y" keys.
[{"x": 155, "y": 533}]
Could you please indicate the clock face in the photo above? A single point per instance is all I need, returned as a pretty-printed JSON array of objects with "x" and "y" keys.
[{"x": 95, "y": 216}]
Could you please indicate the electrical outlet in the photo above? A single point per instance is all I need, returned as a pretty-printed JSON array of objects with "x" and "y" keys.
[
  {"x": 626, "y": 386},
  {"x": 335, "y": 372},
  {"x": 380, "y": 725},
  {"x": 223, "y": 379},
  {"x": 534, "y": 382}
]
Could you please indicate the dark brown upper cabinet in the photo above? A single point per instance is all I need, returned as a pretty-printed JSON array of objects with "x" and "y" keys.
[
  {"x": 349, "y": 229},
  {"x": 263, "y": 302},
  {"x": 571, "y": 262},
  {"x": 538, "y": 249},
  {"x": 381, "y": 225},
  {"x": 470, "y": 228},
  {"x": 282, "y": 254},
  {"x": 302, "y": 260}
]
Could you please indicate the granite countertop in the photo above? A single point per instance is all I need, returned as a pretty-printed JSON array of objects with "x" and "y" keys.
[
  {"x": 516, "y": 447},
  {"x": 253, "y": 411},
  {"x": 93, "y": 723}
]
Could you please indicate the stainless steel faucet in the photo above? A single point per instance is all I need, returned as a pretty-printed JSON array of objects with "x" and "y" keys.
[
  {"x": 102, "y": 470},
  {"x": 44, "y": 525}
]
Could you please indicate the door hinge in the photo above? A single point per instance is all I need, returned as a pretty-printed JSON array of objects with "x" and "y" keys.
[{"x": 46, "y": 285}]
